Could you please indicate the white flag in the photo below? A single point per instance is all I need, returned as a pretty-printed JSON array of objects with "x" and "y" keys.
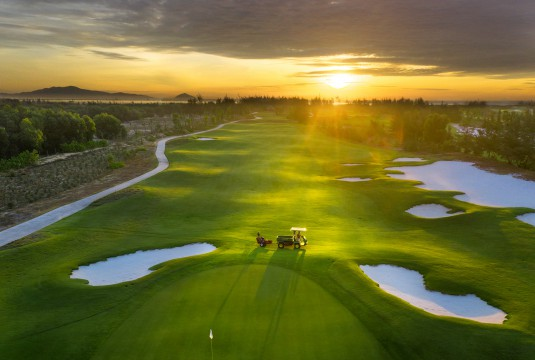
[{"x": 211, "y": 335}]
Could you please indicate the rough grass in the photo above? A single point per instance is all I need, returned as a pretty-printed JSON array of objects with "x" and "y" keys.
[{"x": 264, "y": 303}]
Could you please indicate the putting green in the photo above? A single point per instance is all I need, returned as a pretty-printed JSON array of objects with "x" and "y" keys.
[{"x": 255, "y": 311}]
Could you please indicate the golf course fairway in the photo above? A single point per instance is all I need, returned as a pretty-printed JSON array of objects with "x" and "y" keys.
[{"x": 266, "y": 176}]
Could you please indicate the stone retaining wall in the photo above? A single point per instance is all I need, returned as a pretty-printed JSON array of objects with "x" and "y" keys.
[{"x": 23, "y": 186}]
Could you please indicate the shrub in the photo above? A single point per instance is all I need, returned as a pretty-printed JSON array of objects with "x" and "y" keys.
[
  {"x": 23, "y": 159},
  {"x": 75, "y": 146},
  {"x": 109, "y": 127},
  {"x": 114, "y": 164}
]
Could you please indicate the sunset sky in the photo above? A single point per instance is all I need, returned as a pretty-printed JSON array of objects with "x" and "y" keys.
[{"x": 435, "y": 49}]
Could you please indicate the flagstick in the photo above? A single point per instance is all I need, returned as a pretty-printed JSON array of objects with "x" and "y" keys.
[{"x": 212, "y": 348}]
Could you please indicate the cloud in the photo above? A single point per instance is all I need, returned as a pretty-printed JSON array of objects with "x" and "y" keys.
[
  {"x": 115, "y": 56},
  {"x": 366, "y": 65},
  {"x": 428, "y": 89},
  {"x": 468, "y": 37}
]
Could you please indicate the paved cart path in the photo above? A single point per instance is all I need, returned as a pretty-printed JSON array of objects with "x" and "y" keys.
[{"x": 26, "y": 228}]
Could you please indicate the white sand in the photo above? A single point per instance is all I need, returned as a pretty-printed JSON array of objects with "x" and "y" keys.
[
  {"x": 431, "y": 211},
  {"x": 205, "y": 139},
  {"x": 351, "y": 164},
  {"x": 133, "y": 266},
  {"x": 353, "y": 179},
  {"x": 409, "y": 286},
  {"x": 527, "y": 218},
  {"x": 479, "y": 186},
  {"x": 408, "y": 160}
]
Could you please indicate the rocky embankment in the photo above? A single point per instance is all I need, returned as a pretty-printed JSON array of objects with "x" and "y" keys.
[{"x": 49, "y": 178}]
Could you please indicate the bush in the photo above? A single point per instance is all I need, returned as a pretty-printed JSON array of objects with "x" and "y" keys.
[
  {"x": 23, "y": 159},
  {"x": 109, "y": 127},
  {"x": 114, "y": 164},
  {"x": 75, "y": 146}
]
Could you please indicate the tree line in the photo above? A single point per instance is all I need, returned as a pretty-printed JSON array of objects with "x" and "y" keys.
[
  {"x": 30, "y": 128},
  {"x": 507, "y": 136},
  {"x": 500, "y": 133},
  {"x": 416, "y": 125},
  {"x": 139, "y": 110},
  {"x": 46, "y": 130}
]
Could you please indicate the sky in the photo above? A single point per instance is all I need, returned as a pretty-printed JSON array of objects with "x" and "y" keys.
[{"x": 346, "y": 49}]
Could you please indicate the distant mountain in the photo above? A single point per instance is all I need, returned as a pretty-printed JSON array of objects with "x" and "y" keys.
[
  {"x": 184, "y": 97},
  {"x": 75, "y": 93}
]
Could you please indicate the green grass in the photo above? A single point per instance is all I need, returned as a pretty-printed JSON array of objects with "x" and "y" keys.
[{"x": 264, "y": 303}]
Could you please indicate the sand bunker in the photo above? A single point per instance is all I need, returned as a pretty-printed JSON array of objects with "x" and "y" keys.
[
  {"x": 479, "y": 187},
  {"x": 205, "y": 139},
  {"x": 527, "y": 218},
  {"x": 408, "y": 160},
  {"x": 353, "y": 179},
  {"x": 351, "y": 164},
  {"x": 431, "y": 211},
  {"x": 409, "y": 286},
  {"x": 133, "y": 266}
]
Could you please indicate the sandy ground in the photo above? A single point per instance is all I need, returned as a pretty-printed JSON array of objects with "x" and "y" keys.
[
  {"x": 354, "y": 179},
  {"x": 409, "y": 286},
  {"x": 527, "y": 218},
  {"x": 133, "y": 266},
  {"x": 431, "y": 211},
  {"x": 405, "y": 159},
  {"x": 479, "y": 186}
]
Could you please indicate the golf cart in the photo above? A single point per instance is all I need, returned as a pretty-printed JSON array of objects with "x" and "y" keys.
[{"x": 297, "y": 239}]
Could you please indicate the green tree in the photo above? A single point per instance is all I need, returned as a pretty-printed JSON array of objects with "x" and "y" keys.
[
  {"x": 435, "y": 135},
  {"x": 54, "y": 129},
  {"x": 108, "y": 126},
  {"x": 4, "y": 143},
  {"x": 30, "y": 138},
  {"x": 89, "y": 128}
]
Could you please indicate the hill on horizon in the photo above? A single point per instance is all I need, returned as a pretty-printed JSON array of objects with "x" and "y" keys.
[
  {"x": 184, "y": 97},
  {"x": 74, "y": 92}
]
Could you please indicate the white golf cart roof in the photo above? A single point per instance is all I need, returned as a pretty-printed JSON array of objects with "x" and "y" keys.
[{"x": 298, "y": 229}]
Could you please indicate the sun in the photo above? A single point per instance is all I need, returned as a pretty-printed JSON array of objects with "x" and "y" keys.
[{"x": 339, "y": 81}]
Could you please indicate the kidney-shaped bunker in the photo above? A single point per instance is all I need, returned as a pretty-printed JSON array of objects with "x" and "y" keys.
[{"x": 133, "y": 266}]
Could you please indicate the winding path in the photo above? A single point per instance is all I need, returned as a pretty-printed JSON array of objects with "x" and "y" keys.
[{"x": 26, "y": 228}]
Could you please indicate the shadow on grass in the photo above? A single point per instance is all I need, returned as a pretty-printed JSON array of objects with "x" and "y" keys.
[
  {"x": 279, "y": 284},
  {"x": 230, "y": 291}
]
